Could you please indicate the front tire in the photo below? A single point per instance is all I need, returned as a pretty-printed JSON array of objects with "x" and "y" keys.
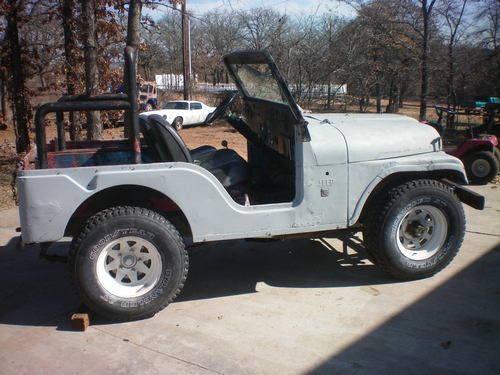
[
  {"x": 128, "y": 263},
  {"x": 416, "y": 229},
  {"x": 481, "y": 167}
]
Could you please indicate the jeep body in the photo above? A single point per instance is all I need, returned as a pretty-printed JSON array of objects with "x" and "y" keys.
[
  {"x": 336, "y": 160},
  {"x": 306, "y": 174}
]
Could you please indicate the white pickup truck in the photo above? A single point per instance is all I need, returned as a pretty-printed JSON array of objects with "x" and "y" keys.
[{"x": 134, "y": 206}]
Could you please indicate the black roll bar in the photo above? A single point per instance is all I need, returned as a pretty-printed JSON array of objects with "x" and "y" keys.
[{"x": 104, "y": 102}]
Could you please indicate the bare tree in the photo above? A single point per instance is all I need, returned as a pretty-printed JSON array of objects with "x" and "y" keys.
[
  {"x": 94, "y": 127},
  {"x": 426, "y": 7},
  {"x": 452, "y": 12},
  {"x": 489, "y": 15},
  {"x": 17, "y": 83},
  {"x": 69, "y": 24}
]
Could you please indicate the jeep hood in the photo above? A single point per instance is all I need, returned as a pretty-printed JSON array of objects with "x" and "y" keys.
[{"x": 374, "y": 136}]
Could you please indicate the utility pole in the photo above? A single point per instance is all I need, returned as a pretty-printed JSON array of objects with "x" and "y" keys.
[{"x": 186, "y": 51}]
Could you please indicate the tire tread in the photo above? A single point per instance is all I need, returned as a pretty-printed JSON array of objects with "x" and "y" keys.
[
  {"x": 377, "y": 214},
  {"x": 99, "y": 218}
]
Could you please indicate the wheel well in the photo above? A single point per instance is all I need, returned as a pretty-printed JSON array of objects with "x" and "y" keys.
[
  {"x": 397, "y": 179},
  {"x": 130, "y": 195}
]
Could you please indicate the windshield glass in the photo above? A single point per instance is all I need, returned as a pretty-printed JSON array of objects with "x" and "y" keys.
[
  {"x": 176, "y": 105},
  {"x": 146, "y": 88},
  {"x": 258, "y": 81}
]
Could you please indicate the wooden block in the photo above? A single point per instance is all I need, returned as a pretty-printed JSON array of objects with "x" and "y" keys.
[{"x": 80, "y": 321}]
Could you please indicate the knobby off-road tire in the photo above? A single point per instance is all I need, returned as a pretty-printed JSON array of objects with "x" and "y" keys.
[
  {"x": 128, "y": 263},
  {"x": 481, "y": 167},
  {"x": 416, "y": 229}
]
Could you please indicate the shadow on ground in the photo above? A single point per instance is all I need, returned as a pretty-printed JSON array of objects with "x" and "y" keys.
[
  {"x": 38, "y": 292},
  {"x": 456, "y": 327}
]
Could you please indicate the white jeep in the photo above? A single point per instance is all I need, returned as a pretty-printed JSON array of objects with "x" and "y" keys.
[{"x": 134, "y": 206}]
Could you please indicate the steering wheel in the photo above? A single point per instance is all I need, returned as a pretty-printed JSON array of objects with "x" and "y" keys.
[{"x": 221, "y": 109}]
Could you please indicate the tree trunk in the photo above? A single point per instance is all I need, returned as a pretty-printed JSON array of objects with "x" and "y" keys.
[
  {"x": 3, "y": 103},
  {"x": 379, "y": 97},
  {"x": 68, "y": 22},
  {"x": 94, "y": 127},
  {"x": 134, "y": 40},
  {"x": 424, "y": 88},
  {"x": 402, "y": 93},
  {"x": 390, "y": 104},
  {"x": 18, "y": 94},
  {"x": 185, "y": 52},
  {"x": 329, "y": 98},
  {"x": 451, "y": 98}
]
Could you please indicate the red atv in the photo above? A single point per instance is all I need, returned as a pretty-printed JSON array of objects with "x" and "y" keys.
[{"x": 478, "y": 152}]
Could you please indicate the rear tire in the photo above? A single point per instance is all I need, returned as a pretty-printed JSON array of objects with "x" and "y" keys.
[
  {"x": 416, "y": 229},
  {"x": 481, "y": 167},
  {"x": 177, "y": 123},
  {"x": 128, "y": 263}
]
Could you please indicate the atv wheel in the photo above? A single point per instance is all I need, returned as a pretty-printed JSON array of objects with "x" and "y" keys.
[
  {"x": 178, "y": 123},
  {"x": 416, "y": 230},
  {"x": 128, "y": 263},
  {"x": 481, "y": 167},
  {"x": 496, "y": 151}
]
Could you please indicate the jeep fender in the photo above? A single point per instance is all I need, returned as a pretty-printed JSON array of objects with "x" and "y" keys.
[{"x": 366, "y": 177}]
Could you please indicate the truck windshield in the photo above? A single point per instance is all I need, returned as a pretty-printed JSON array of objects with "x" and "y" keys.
[
  {"x": 176, "y": 105},
  {"x": 146, "y": 88},
  {"x": 258, "y": 81}
]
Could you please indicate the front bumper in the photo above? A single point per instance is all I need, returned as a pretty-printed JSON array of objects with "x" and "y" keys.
[{"x": 467, "y": 196}]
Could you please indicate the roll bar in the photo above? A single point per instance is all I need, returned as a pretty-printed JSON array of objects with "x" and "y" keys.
[{"x": 104, "y": 102}]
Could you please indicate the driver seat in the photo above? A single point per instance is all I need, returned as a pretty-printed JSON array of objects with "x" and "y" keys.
[{"x": 226, "y": 165}]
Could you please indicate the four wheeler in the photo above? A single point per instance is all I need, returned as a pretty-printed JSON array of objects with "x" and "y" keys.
[
  {"x": 477, "y": 151},
  {"x": 134, "y": 206}
]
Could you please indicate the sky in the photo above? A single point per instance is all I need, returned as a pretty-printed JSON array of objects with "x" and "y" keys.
[{"x": 291, "y": 7}]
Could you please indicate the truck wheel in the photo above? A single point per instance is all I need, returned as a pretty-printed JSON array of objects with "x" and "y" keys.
[
  {"x": 481, "y": 167},
  {"x": 178, "y": 123},
  {"x": 148, "y": 107},
  {"x": 128, "y": 263},
  {"x": 416, "y": 230}
]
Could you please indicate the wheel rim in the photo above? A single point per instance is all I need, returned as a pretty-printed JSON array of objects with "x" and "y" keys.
[
  {"x": 129, "y": 267},
  {"x": 422, "y": 232},
  {"x": 178, "y": 124},
  {"x": 480, "y": 168}
]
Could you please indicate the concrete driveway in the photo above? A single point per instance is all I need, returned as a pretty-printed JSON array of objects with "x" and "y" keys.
[{"x": 291, "y": 307}]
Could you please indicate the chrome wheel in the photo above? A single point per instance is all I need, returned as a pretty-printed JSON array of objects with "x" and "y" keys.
[
  {"x": 129, "y": 267},
  {"x": 422, "y": 232},
  {"x": 480, "y": 168}
]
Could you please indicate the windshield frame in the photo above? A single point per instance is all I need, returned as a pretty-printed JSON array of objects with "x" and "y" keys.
[{"x": 262, "y": 57}]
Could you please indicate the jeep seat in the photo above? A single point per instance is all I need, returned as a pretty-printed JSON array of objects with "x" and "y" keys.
[{"x": 226, "y": 165}]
